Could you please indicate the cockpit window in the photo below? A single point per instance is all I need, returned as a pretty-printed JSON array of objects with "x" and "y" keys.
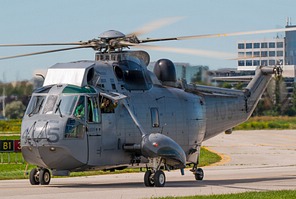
[
  {"x": 35, "y": 105},
  {"x": 79, "y": 111},
  {"x": 49, "y": 105},
  {"x": 66, "y": 104}
]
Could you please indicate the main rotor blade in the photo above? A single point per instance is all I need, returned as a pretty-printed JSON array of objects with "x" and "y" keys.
[
  {"x": 219, "y": 35},
  {"x": 44, "y": 44},
  {"x": 155, "y": 25},
  {"x": 44, "y": 52},
  {"x": 204, "y": 53}
]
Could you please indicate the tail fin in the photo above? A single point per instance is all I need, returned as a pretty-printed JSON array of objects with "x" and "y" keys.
[{"x": 257, "y": 86}]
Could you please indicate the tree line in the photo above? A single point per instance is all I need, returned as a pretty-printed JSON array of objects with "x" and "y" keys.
[{"x": 17, "y": 96}]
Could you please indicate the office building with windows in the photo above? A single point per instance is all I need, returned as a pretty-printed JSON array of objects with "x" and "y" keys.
[
  {"x": 268, "y": 52},
  {"x": 260, "y": 53}
]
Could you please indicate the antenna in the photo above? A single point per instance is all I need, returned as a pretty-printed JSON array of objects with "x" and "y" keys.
[
  {"x": 289, "y": 21},
  {"x": 3, "y": 102}
]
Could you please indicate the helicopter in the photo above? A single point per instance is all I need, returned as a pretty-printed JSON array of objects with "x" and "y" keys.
[{"x": 113, "y": 113}]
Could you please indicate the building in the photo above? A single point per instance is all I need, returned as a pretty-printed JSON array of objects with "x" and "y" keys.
[
  {"x": 290, "y": 47},
  {"x": 191, "y": 74},
  {"x": 269, "y": 52},
  {"x": 264, "y": 52}
]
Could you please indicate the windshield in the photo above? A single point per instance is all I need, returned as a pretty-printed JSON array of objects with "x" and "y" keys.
[
  {"x": 51, "y": 105},
  {"x": 35, "y": 105}
]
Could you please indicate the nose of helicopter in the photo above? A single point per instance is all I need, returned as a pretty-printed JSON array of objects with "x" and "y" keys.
[{"x": 43, "y": 144}]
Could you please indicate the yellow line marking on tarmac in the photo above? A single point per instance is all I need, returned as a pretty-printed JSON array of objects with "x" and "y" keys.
[{"x": 224, "y": 157}]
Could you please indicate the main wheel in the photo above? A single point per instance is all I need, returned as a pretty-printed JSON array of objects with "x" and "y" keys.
[
  {"x": 159, "y": 178},
  {"x": 199, "y": 175},
  {"x": 148, "y": 181},
  {"x": 34, "y": 177},
  {"x": 44, "y": 177}
]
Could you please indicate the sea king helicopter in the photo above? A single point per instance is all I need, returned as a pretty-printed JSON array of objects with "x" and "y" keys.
[{"x": 113, "y": 113}]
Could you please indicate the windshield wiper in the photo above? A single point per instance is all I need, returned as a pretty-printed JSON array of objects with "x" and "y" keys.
[
  {"x": 38, "y": 107},
  {"x": 59, "y": 109}
]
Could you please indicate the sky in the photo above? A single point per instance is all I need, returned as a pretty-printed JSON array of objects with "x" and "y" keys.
[{"x": 34, "y": 21}]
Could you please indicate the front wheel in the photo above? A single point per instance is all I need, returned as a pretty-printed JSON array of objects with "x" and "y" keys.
[
  {"x": 44, "y": 177},
  {"x": 148, "y": 181},
  {"x": 34, "y": 177}
]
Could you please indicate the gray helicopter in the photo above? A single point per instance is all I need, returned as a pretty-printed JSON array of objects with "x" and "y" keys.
[{"x": 113, "y": 113}]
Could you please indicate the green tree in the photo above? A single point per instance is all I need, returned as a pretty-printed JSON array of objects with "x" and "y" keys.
[
  {"x": 226, "y": 85},
  {"x": 15, "y": 110},
  {"x": 291, "y": 111}
]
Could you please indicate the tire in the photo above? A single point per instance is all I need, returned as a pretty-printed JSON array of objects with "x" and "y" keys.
[
  {"x": 44, "y": 177},
  {"x": 148, "y": 181},
  {"x": 159, "y": 178},
  {"x": 34, "y": 177},
  {"x": 199, "y": 175}
]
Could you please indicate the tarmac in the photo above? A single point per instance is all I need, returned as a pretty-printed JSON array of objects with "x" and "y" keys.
[{"x": 252, "y": 161}]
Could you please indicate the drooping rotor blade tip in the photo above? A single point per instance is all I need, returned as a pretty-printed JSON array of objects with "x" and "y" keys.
[
  {"x": 44, "y": 52},
  {"x": 43, "y": 44}
]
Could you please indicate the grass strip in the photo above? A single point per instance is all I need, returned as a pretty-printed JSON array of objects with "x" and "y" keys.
[{"x": 247, "y": 195}]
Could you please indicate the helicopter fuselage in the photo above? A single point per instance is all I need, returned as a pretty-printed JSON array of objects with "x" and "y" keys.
[
  {"x": 47, "y": 142},
  {"x": 178, "y": 117}
]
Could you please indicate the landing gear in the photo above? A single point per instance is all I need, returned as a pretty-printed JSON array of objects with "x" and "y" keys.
[
  {"x": 159, "y": 178},
  {"x": 154, "y": 177},
  {"x": 198, "y": 172},
  {"x": 34, "y": 177},
  {"x": 44, "y": 176},
  {"x": 40, "y": 176},
  {"x": 148, "y": 179}
]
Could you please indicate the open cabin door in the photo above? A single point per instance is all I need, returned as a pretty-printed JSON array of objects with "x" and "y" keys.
[
  {"x": 110, "y": 137},
  {"x": 93, "y": 129}
]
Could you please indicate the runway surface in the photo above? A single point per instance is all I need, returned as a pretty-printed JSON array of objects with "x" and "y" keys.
[{"x": 252, "y": 161}]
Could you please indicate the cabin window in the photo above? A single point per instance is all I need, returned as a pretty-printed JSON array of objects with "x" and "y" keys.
[
  {"x": 92, "y": 110},
  {"x": 154, "y": 117}
]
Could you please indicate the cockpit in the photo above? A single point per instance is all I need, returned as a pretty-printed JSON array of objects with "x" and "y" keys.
[
  {"x": 78, "y": 105},
  {"x": 68, "y": 102}
]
